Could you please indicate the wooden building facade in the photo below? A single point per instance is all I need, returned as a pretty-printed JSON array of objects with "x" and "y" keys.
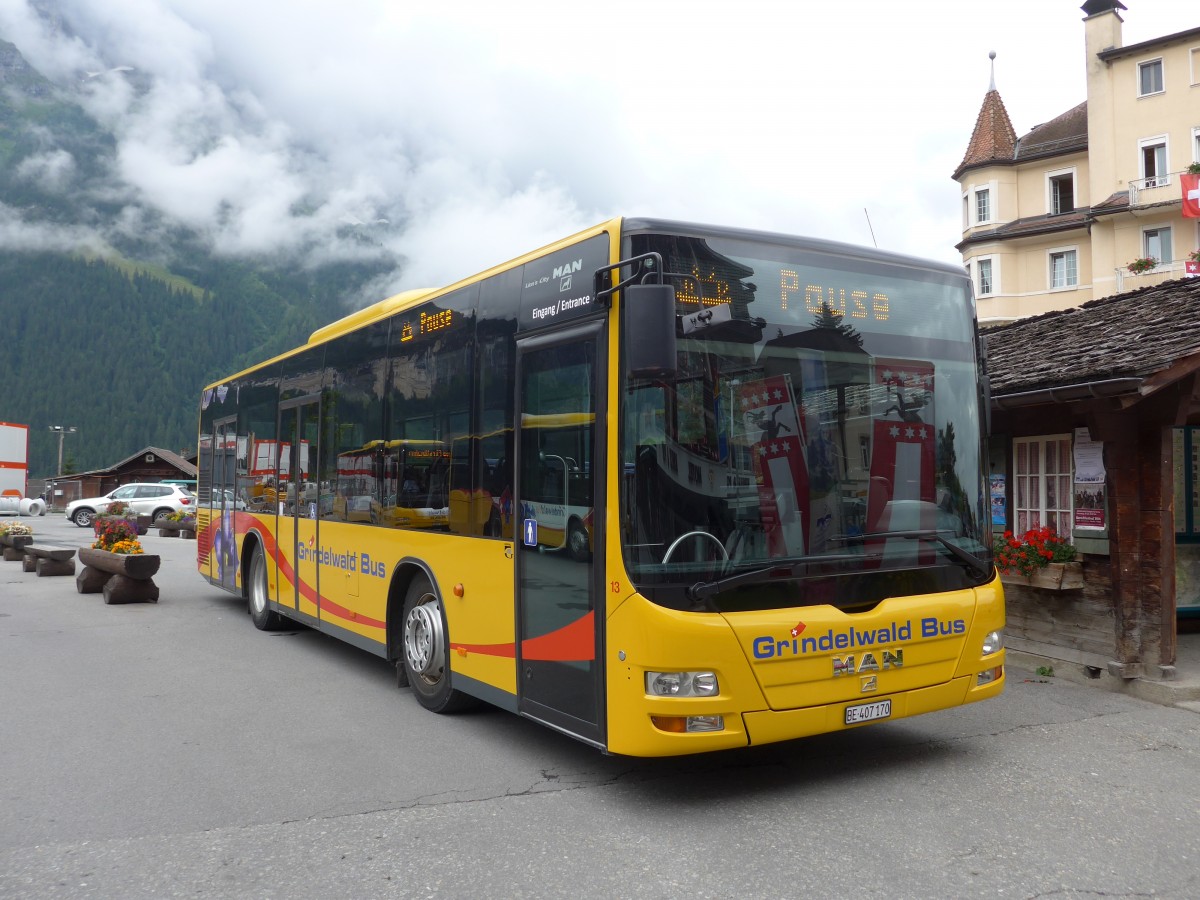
[
  {"x": 148, "y": 464},
  {"x": 1104, "y": 401}
]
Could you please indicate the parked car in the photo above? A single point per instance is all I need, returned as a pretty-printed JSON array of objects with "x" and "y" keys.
[
  {"x": 154, "y": 500},
  {"x": 230, "y": 501}
]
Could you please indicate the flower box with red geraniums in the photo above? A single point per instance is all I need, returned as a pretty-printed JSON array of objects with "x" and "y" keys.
[{"x": 1039, "y": 558}]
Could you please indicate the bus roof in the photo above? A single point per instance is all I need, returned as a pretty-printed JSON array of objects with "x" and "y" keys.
[
  {"x": 618, "y": 227},
  {"x": 405, "y": 299},
  {"x": 642, "y": 225}
]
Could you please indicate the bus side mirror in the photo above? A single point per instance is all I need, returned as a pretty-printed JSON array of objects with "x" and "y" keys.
[{"x": 650, "y": 330}]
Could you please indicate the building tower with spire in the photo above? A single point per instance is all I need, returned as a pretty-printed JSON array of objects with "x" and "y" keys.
[{"x": 1062, "y": 214}]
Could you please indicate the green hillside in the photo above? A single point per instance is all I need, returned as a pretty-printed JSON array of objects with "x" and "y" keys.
[
  {"x": 124, "y": 358},
  {"x": 119, "y": 343}
]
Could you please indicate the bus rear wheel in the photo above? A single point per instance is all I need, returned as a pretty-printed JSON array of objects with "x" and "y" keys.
[
  {"x": 257, "y": 594},
  {"x": 426, "y": 659}
]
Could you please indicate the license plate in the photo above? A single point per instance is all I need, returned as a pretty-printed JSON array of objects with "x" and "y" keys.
[{"x": 868, "y": 712}]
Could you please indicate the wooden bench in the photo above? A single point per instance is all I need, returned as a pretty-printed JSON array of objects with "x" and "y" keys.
[
  {"x": 123, "y": 577},
  {"x": 185, "y": 529},
  {"x": 14, "y": 545},
  {"x": 49, "y": 559}
]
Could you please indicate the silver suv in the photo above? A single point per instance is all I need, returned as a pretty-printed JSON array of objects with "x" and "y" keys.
[{"x": 153, "y": 500}]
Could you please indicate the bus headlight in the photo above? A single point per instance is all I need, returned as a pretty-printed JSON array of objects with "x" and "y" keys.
[
  {"x": 682, "y": 684},
  {"x": 993, "y": 642}
]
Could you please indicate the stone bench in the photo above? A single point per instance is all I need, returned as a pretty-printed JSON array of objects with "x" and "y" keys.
[
  {"x": 14, "y": 545},
  {"x": 123, "y": 577},
  {"x": 49, "y": 559}
]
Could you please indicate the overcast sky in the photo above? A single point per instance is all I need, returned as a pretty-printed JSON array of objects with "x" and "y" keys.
[{"x": 480, "y": 130}]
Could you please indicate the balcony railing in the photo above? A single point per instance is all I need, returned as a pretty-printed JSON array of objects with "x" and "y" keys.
[
  {"x": 1166, "y": 271},
  {"x": 1155, "y": 189}
]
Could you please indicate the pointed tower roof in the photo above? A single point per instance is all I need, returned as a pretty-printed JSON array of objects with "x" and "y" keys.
[{"x": 994, "y": 138}]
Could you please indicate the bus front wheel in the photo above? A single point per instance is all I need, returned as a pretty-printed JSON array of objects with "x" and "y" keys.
[{"x": 426, "y": 650}]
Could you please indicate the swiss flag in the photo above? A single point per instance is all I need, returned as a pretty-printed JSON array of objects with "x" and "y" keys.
[{"x": 1191, "y": 195}]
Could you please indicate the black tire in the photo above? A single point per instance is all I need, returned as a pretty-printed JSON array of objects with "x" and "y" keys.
[
  {"x": 425, "y": 646},
  {"x": 83, "y": 517},
  {"x": 577, "y": 542},
  {"x": 257, "y": 594},
  {"x": 161, "y": 513}
]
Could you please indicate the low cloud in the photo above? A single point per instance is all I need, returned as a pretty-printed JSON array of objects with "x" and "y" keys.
[{"x": 454, "y": 137}]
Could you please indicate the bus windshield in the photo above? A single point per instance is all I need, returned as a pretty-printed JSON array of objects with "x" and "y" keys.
[{"x": 820, "y": 441}]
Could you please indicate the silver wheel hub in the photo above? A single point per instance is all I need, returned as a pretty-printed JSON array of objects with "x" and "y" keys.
[
  {"x": 258, "y": 584},
  {"x": 423, "y": 639}
]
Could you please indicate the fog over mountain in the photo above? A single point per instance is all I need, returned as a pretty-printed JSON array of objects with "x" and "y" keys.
[
  {"x": 344, "y": 160},
  {"x": 445, "y": 138}
]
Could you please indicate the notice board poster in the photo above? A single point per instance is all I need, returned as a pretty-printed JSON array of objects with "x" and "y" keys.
[
  {"x": 1089, "y": 481},
  {"x": 999, "y": 507}
]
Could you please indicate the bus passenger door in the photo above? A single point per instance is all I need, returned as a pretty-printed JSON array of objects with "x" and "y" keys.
[
  {"x": 559, "y": 483},
  {"x": 224, "y": 556},
  {"x": 298, "y": 496}
]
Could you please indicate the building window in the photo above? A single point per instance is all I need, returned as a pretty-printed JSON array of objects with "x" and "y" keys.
[
  {"x": 1150, "y": 77},
  {"x": 1156, "y": 242},
  {"x": 984, "y": 269},
  {"x": 1064, "y": 268},
  {"x": 1062, "y": 193},
  {"x": 983, "y": 206},
  {"x": 1042, "y": 466},
  {"x": 1154, "y": 162}
]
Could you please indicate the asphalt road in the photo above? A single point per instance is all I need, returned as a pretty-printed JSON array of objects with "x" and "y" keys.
[{"x": 172, "y": 750}]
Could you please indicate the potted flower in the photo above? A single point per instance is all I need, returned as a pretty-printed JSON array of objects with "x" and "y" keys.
[
  {"x": 117, "y": 565},
  {"x": 1039, "y": 558},
  {"x": 181, "y": 523},
  {"x": 117, "y": 536},
  {"x": 1193, "y": 168},
  {"x": 14, "y": 529},
  {"x": 1142, "y": 264},
  {"x": 14, "y": 536}
]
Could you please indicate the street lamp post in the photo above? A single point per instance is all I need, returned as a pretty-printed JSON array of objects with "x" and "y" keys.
[{"x": 63, "y": 431}]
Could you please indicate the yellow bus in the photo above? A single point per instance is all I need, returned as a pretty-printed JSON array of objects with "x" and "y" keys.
[
  {"x": 399, "y": 483},
  {"x": 705, "y": 488}
]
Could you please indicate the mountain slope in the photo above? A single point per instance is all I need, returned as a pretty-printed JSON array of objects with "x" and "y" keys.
[{"x": 117, "y": 335}]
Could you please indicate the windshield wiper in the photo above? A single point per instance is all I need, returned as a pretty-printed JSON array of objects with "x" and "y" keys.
[
  {"x": 794, "y": 565},
  {"x": 702, "y": 590},
  {"x": 972, "y": 562}
]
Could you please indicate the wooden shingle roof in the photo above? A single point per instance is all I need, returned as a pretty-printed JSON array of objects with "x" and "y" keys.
[{"x": 1137, "y": 334}]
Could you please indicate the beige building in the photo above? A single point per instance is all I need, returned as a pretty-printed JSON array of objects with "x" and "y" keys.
[{"x": 1054, "y": 218}]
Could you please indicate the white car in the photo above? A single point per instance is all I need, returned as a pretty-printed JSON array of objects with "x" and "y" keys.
[
  {"x": 153, "y": 500},
  {"x": 227, "y": 499}
]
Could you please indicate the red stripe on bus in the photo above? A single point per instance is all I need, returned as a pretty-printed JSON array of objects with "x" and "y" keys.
[
  {"x": 575, "y": 642},
  {"x": 287, "y": 573}
]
